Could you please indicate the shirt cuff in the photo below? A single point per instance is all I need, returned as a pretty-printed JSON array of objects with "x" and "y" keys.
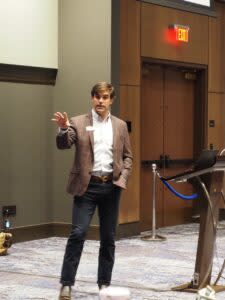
[{"x": 62, "y": 131}]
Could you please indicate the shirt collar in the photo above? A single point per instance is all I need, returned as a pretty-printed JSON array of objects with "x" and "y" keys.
[{"x": 98, "y": 118}]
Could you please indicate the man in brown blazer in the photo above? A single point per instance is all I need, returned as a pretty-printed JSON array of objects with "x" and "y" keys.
[{"x": 101, "y": 167}]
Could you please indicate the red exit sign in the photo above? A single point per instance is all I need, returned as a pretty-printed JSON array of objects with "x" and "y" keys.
[{"x": 179, "y": 32}]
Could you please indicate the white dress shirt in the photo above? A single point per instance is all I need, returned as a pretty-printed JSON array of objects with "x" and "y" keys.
[{"x": 103, "y": 144}]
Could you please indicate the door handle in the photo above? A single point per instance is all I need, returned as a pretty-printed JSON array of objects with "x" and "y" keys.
[
  {"x": 148, "y": 163},
  {"x": 177, "y": 162},
  {"x": 167, "y": 161},
  {"x": 162, "y": 161},
  {"x": 159, "y": 162}
]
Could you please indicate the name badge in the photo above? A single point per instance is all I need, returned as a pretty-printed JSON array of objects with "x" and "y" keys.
[{"x": 90, "y": 128}]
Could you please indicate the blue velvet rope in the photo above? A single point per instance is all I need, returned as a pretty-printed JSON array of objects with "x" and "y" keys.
[{"x": 194, "y": 196}]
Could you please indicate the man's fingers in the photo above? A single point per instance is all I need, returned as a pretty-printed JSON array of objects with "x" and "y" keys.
[
  {"x": 61, "y": 119},
  {"x": 59, "y": 115},
  {"x": 65, "y": 115}
]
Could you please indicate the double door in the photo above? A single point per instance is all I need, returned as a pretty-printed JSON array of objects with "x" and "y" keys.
[{"x": 167, "y": 139}]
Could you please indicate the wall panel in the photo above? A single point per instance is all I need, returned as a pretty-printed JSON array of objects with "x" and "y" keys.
[
  {"x": 130, "y": 111},
  {"x": 143, "y": 35},
  {"x": 129, "y": 42},
  {"x": 216, "y": 108},
  {"x": 216, "y": 50},
  {"x": 154, "y": 24}
]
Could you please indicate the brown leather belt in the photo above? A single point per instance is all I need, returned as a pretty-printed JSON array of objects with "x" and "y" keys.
[{"x": 101, "y": 179}]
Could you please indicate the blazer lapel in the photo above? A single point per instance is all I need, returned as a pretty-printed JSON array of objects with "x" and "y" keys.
[
  {"x": 90, "y": 133},
  {"x": 114, "y": 129}
]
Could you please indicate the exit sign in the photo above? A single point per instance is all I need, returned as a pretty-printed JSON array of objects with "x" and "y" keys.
[{"x": 179, "y": 32}]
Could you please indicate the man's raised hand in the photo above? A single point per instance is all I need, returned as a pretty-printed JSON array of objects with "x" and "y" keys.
[{"x": 61, "y": 120}]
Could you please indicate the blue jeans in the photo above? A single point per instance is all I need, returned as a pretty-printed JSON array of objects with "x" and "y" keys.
[{"x": 106, "y": 197}]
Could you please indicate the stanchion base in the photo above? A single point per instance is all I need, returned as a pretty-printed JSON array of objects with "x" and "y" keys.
[
  {"x": 156, "y": 237},
  {"x": 188, "y": 287}
]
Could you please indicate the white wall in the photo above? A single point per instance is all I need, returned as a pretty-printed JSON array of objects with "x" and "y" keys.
[{"x": 29, "y": 32}]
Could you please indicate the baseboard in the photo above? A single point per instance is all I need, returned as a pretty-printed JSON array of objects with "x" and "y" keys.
[
  {"x": 221, "y": 214},
  {"x": 31, "y": 232},
  {"x": 196, "y": 218},
  {"x": 128, "y": 230},
  {"x": 40, "y": 231}
]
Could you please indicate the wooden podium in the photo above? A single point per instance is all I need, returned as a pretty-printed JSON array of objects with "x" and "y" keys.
[{"x": 210, "y": 184}]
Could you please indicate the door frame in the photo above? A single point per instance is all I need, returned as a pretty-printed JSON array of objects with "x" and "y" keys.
[{"x": 200, "y": 110}]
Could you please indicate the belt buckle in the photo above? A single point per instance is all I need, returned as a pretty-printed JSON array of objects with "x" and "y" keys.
[{"x": 104, "y": 178}]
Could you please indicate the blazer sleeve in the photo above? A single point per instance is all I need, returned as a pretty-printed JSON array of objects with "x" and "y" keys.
[{"x": 67, "y": 139}]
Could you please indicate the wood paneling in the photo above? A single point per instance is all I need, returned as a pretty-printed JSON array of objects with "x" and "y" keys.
[
  {"x": 154, "y": 24},
  {"x": 151, "y": 141},
  {"x": 130, "y": 111},
  {"x": 151, "y": 112},
  {"x": 129, "y": 81},
  {"x": 129, "y": 42},
  {"x": 216, "y": 81},
  {"x": 216, "y": 111},
  {"x": 179, "y": 114},
  {"x": 178, "y": 141},
  {"x": 167, "y": 128},
  {"x": 142, "y": 36},
  {"x": 217, "y": 50}
]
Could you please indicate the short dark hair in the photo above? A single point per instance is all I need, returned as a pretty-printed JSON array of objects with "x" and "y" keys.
[{"x": 101, "y": 87}]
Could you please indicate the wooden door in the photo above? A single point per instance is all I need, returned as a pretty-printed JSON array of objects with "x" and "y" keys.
[{"x": 167, "y": 136}]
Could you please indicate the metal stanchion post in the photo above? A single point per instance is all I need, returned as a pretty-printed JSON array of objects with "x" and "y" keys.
[{"x": 153, "y": 236}]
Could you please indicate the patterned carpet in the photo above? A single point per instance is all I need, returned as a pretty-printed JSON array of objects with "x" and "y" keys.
[{"x": 148, "y": 269}]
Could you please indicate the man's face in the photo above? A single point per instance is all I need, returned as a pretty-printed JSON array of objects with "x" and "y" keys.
[{"x": 101, "y": 103}]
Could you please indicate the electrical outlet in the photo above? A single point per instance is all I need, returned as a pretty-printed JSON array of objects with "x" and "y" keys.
[
  {"x": 8, "y": 211},
  {"x": 196, "y": 279}
]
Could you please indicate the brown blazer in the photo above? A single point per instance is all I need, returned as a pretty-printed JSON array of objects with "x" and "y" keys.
[{"x": 83, "y": 140}]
